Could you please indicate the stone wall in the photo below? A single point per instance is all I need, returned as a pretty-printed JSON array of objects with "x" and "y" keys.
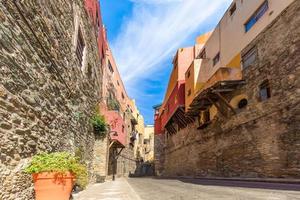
[
  {"x": 159, "y": 153},
  {"x": 100, "y": 160},
  {"x": 126, "y": 162},
  {"x": 46, "y": 95},
  {"x": 263, "y": 139}
]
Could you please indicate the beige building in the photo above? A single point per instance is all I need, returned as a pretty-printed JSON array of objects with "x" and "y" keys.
[
  {"x": 138, "y": 147},
  {"x": 149, "y": 143},
  {"x": 220, "y": 57}
]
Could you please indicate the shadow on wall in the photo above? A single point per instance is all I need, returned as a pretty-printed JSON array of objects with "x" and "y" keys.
[{"x": 143, "y": 169}]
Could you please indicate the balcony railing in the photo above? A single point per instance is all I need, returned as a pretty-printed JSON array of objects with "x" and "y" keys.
[
  {"x": 222, "y": 74},
  {"x": 113, "y": 104},
  {"x": 223, "y": 81}
]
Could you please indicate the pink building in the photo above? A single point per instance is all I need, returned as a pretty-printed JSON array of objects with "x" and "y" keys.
[{"x": 113, "y": 89}]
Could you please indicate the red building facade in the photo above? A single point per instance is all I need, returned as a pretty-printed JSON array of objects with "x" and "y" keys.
[
  {"x": 172, "y": 109},
  {"x": 94, "y": 10}
]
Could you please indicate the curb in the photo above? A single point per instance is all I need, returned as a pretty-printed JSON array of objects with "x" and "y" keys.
[{"x": 266, "y": 180}]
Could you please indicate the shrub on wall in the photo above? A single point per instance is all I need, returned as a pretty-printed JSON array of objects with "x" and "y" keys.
[
  {"x": 99, "y": 124},
  {"x": 113, "y": 104}
]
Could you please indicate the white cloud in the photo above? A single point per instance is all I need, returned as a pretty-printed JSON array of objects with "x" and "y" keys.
[{"x": 153, "y": 33}]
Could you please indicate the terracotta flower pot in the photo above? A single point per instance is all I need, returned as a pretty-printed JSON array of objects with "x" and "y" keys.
[{"x": 53, "y": 186}]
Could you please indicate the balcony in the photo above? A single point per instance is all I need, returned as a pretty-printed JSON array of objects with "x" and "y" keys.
[
  {"x": 173, "y": 111},
  {"x": 223, "y": 74},
  {"x": 175, "y": 101},
  {"x": 132, "y": 138},
  {"x": 133, "y": 119},
  {"x": 113, "y": 104},
  {"x": 157, "y": 125},
  {"x": 224, "y": 80},
  {"x": 118, "y": 132}
]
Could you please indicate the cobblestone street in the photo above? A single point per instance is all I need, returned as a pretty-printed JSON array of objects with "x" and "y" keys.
[{"x": 188, "y": 189}]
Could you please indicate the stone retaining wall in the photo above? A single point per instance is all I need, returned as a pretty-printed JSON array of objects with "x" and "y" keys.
[
  {"x": 263, "y": 139},
  {"x": 46, "y": 96}
]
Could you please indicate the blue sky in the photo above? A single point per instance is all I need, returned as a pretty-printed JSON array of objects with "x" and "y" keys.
[{"x": 144, "y": 36}]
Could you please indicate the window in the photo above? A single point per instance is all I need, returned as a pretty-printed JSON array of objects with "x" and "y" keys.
[
  {"x": 89, "y": 71},
  {"x": 123, "y": 129},
  {"x": 249, "y": 58},
  {"x": 256, "y": 16},
  {"x": 98, "y": 21},
  {"x": 202, "y": 55},
  {"x": 110, "y": 67},
  {"x": 175, "y": 62},
  {"x": 264, "y": 91},
  {"x": 118, "y": 82},
  {"x": 206, "y": 116},
  {"x": 232, "y": 9},
  {"x": 80, "y": 46},
  {"x": 189, "y": 92},
  {"x": 242, "y": 103},
  {"x": 140, "y": 138},
  {"x": 189, "y": 74},
  {"x": 103, "y": 53},
  {"x": 216, "y": 59},
  {"x": 123, "y": 97}
]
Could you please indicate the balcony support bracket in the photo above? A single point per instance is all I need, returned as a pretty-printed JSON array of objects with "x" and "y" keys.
[
  {"x": 217, "y": 106},
  {"x": 225, "y": 101},
  {"x": 118, "y": 153},
  {"x": 110, "y": 145}
]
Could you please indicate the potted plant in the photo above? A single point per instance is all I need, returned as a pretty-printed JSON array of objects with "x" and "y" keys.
[
  {"x": 54, "y": 175},
  {"x": 99, "y": 124}
]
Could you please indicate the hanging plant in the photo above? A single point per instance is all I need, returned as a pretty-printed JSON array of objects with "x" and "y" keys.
[{"x": 99, "y": 124}]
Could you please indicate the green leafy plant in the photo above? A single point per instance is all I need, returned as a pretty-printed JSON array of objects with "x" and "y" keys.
[
  {"x": 113, "y": 104},
  {"x": 60, "y": 162},
  {"x": 99, "y": 124}
]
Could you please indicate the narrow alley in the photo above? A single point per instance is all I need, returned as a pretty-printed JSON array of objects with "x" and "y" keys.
[
  {"x": 191, "y": 189},
  {"x": 149, "y": 100}
]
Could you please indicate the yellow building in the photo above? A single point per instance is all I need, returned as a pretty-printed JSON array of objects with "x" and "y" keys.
[
  {"x": 149, "y": 143},
  {"x": 139, "y": 129},
  {"x": 191, "y": 75}
]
